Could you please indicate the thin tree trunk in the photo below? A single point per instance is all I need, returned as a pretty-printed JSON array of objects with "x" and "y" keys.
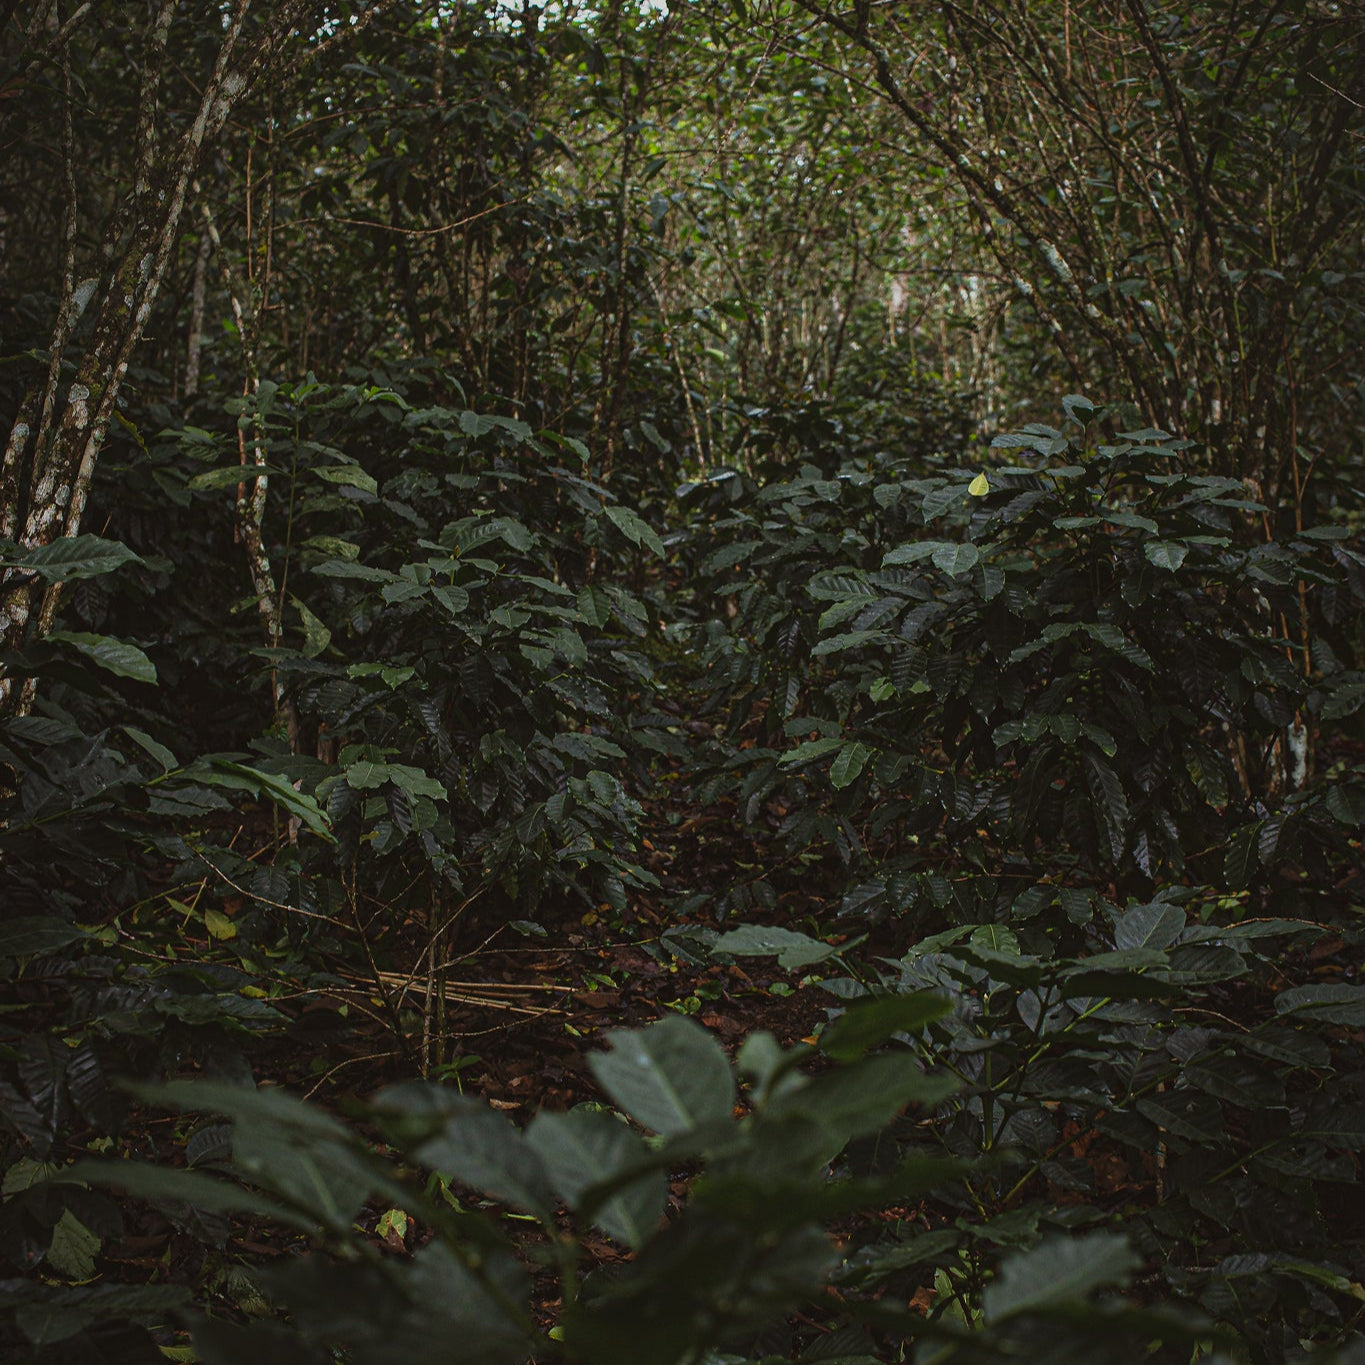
[
  {"x": 194, "y": 345},
  {"x": 47, "y": 470}
]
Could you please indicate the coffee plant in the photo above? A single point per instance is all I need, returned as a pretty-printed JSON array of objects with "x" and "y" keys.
[{"x": 601, "y": 759}]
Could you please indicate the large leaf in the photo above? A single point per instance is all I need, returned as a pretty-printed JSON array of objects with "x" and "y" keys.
[
  {"x": 294, "y": 1150},
  {"x": 587, "y": 1148},
  {"x": 116, "y": 656},
  {"x": 862, "y": 1098},
  {"x": 635, "y": 529},
  {"x": 853, "y": 639},
  {"x": 1060, "y": 1271},
  {"x": 1239, "y": 862},
  {"x": 671, "y": 1077},
  {"x": 810, "y": 750},
  {"x": 31, "y": 934},
  {"x": 1187, "y": 1114},
  {"x": 848, "y": 764},
  {"x": 956, "y": 559},
  {"x": 71, "y": 557},
  {"x": 222, "y": 772},
  {"x": 869, "y": 1023},
  {"x": 1166, "y": 554},
  {"x": 1149, "y": 926},
  {"x": 471, "y": 1142},
  {"x": 73, "y": 1248},
  {"x": 183, "y": 1187},
  {"x": 793, "y": 950},
  {"x": 351, "y": 475},
  {"x": 1332, "y": 1003},
  {"x": 69, "y": 1311},
  {"x": 329, "y": 1181}
]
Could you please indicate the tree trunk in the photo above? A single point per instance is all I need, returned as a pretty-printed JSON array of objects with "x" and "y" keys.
[{"x": 55, "y": 439}]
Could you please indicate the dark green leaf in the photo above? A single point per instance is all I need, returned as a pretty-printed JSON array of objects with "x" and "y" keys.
[
  {"x": 1332, "y": 1003},
  {"x": 869, "y": 1023},
  {"x": 635, "y": 529},
  {"x": 956, "y": 559},
  {"x": 71, "y": 557},
  {"x": 1166, "y": 554},
  {"x": 584, "y": 1149},
  {"x": 1149, "y": 926},
  {"x": 1240, "y": 860},
  {"x": 848, "y": 764},
  {"x": 32, "y": 934},
  {"x": 117, "y": 656},
  {"x": 1061, "y": 1270},
  {"x": 474, "y": 1144}
]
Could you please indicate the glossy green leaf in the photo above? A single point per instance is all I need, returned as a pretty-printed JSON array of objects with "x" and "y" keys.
[
  {"x": 1339, "y": 1003},
  {"x": 352, "y": 476},
  {"x": 811, "y": 750},
  {"x": 1166, "y": 554},
  {"x": 1149, "y": 926},
  {"x": 221, "y": 772}
]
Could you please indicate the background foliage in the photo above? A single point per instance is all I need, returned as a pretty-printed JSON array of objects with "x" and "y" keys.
[{"x": 454, "y": 454}]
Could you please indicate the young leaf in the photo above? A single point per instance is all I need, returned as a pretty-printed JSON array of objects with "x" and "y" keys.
[
  {"x": 220, "y": 927},
  {"x": 316, "y": 636}
]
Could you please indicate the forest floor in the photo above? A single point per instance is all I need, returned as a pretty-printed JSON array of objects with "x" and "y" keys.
[{"x": 522, "y": 1018}]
